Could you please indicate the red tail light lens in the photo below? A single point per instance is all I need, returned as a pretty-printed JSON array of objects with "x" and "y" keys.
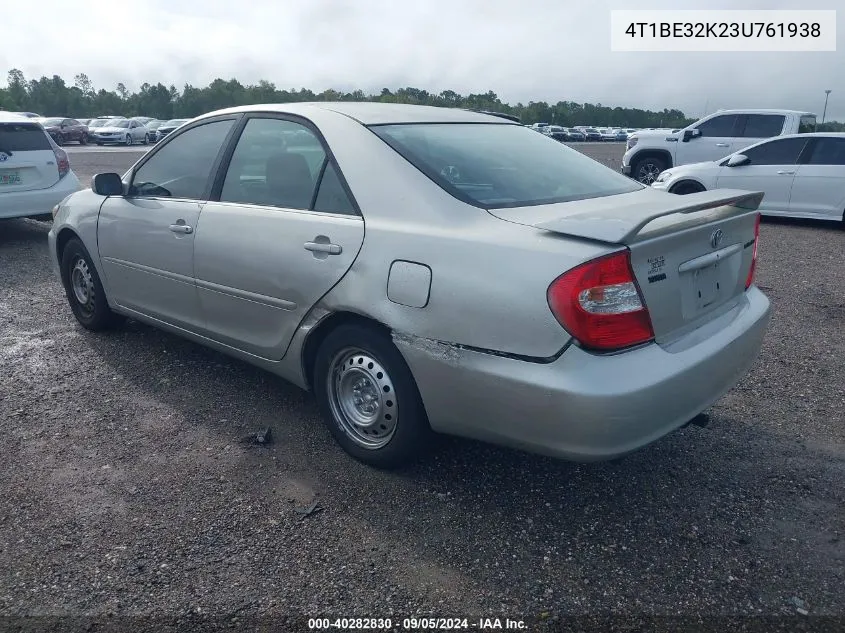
[
  {"x": 600, "y": 304},
  {"x": 62, "y": 161},
  {"x": 750, "y": 279}
]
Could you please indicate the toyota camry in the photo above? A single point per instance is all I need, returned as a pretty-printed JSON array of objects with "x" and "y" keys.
[{"x": 426, "y": 270}]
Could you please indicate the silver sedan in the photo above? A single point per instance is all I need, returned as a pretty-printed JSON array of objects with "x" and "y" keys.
[{"x": 427, "y": 270}]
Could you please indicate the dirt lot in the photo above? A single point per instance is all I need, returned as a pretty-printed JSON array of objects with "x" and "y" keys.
[{"x": 127, "y": 491}]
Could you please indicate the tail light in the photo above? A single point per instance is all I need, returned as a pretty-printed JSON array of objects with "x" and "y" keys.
[
  {"x": 600, "y": 304},
  {"x": 750, "y": 279},
  {"x": 62, "y": 161}
]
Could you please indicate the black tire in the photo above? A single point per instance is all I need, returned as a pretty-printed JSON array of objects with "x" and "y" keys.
[
  {"x": 93, "y": 314},
  {"x": 60, "y": 139},
  {"x": 686, "y": 187},
  {"x": 98, "y": 143},
  {"x": 83, "y": 140},
  {"x": 128, "y": 140},
  {"x": 646, "y": 170},
  {"x": 411, "y": 435},
  {"x": 146, "y": 139}
]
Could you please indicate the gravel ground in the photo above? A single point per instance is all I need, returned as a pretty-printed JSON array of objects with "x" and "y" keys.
[{"x": 128, "y": 491}]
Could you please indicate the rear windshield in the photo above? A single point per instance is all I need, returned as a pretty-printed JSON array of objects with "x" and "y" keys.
[
  {"x": 22, "y": 137},
  {"x": 500, "y": 165}
]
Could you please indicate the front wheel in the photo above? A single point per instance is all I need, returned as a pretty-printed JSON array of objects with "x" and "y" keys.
[
  {"x": 128, "y": 139},
  {"x": 369, "y": 399},
  {"x": 60, "y": 139},
  {"x": 84, "y": 290},
  {"x": 646, "y": 170},
  {"x": 83, "y": 140}
]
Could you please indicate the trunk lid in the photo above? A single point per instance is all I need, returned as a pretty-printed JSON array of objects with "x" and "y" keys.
[
  {"x": 27, "y": 160},
  {"x": 690, "y": 254}
]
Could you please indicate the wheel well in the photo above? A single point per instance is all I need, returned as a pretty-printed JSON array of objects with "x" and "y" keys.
[
  {"x": 652, "y": 153},
  {"x": 321, "y": 331},
  {"x": 64, "y": 236},
  {"x": 688, "y": 181}
]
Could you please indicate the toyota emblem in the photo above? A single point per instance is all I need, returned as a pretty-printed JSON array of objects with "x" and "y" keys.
[{"x": 716, "y": 238}]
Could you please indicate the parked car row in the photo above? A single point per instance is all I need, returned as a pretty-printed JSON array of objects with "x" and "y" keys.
[
  {"x": 105, "y": 129},
  {"x": 583, "y": 133}
]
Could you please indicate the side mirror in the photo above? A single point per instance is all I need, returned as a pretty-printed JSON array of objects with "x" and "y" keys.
[
  {"x": 108, "y": 184},
  {"x": 738, "y": 160},
  {"x": 691, "y": 134}
]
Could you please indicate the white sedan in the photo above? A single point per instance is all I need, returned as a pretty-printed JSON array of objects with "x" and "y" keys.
[{"x": 802, "y": 175}]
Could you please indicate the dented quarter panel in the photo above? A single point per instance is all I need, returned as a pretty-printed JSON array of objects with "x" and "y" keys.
[{"x": 488, "y": 278}]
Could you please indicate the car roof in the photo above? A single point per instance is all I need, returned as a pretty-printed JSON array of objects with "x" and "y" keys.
[
  {"x": 374, "y": 113},
  {"x": 764, "y": 111},
  {"x": 11, "y": 117}
]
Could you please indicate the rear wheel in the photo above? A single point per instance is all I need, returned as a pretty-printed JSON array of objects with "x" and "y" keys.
[
  {"x": 646, "y": 170},
  {"x": 686, "y": 187},
  {"x": 83, "y": 140},
  {"x": 60, "y": 139},
  {"x": 84, "y": 290},
  {"x": 368, "y": 397}
]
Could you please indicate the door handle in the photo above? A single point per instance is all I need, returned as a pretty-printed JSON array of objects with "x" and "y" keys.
[
  {"x": 722, "y": 145},
  {"x": 181, "y": 228},
  {"x": 783, "y": 172},
  {"x": 318, "y": 247}
]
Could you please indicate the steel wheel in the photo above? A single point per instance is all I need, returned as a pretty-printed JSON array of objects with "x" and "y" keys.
[
  {"x": 362, "y": 398},
  {"x": 82, "y": 284},
  {"x": 129, "y": 139}
]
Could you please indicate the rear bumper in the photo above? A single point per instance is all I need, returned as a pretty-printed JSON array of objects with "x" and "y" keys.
[
  {"x": 22, "y": 204},
  {"x": 586, "y": 407}
]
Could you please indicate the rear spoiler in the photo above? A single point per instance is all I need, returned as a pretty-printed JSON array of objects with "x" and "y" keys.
[{"x": 610, "y": 221}]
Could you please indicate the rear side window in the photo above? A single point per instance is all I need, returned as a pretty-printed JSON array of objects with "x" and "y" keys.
[
  {"x": 493, "y": 166},
  {"x": 780, "y": 152},
  {"x": 275, "y": 163},
  {"x": 720, "y": 126},
  {"x": 807, "y": 124},
  {"x": 763, "y": 125},
  {"x": 331, "y": 197},
  {"x": 22, "y": 137},
  {"x": 828, "y": 151}
]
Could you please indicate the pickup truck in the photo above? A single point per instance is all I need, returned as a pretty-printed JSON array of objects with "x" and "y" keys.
[{"x": 649, "y": 152}]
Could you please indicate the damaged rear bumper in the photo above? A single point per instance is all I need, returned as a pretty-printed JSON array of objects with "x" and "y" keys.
[{"x": 582, "y": 406}]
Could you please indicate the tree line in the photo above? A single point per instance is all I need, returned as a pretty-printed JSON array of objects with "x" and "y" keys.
[{"x": 52, "y": 96}]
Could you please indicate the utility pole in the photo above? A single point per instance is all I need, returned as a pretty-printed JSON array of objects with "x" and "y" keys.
[{"x": 826, "y": 95}]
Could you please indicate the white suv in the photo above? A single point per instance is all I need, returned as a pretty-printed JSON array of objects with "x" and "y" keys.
[{"x": 35, "y": 173}]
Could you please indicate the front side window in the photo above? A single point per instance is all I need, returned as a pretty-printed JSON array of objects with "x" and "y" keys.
[
  {"x": 182, "y": 167},
  {"x": 780, "y": 152},
  {"x": 494, "y": 165},
  {"x": 828, "y": 151},
  {"x": 763, "y": 125},
  {"x": 718, "y": 126}
]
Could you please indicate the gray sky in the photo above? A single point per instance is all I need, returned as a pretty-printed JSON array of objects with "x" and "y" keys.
[{"x": 527, "y": 50}]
